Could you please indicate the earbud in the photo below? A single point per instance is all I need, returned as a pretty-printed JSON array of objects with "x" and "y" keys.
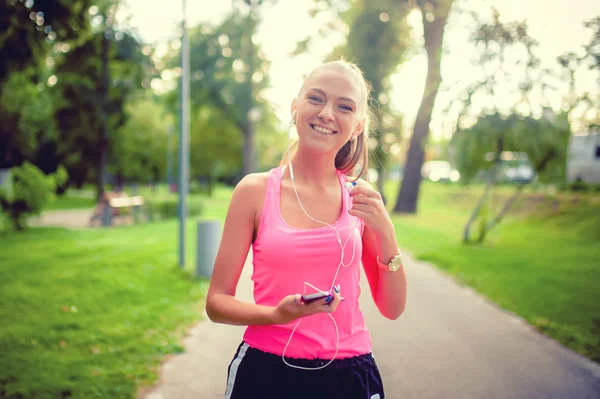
[
  {"x": 350, "y": 185},
  {"x": 294, "y": 117}
]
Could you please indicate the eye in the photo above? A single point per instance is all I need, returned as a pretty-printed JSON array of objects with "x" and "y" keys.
[
  {"x": 346, "y": 108},
  {"x": 315, "y": 99}
]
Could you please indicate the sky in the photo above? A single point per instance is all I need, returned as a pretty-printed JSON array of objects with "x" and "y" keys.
[{"x": 556, "y": 24}]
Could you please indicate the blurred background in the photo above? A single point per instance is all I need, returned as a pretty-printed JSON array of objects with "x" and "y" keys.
[{"x": 486, "y": 149}]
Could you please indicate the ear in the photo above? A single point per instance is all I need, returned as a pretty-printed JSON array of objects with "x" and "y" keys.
[
  {"x": 360, "y": 128},
  {"x": 293, "y": 106}
]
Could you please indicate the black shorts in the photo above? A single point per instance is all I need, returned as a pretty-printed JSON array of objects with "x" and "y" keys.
[{"x": 254, "y": 374}]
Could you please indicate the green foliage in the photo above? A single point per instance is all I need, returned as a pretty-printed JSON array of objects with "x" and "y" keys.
[
  {"x": 28, "y": 27},
  {"x": 215, "y": 144},
  {"x": 84, "y": 109},
  {"x": 30, "y": 31},
  {"x": 229, "y": 74},
  {"x": 31, "y": 190},
  {"x": 139, "y": 147},
  {"x": 543, "y": 140},
  {"x": 379, "y": 41},
  {"x": 25, "y": 118}
]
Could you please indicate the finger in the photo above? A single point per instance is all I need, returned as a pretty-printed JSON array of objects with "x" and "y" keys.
[
  {"x": 360, "y": 199},
  {"x": 358, "y": 213},
  {"x": 298, "y": 299},
  {"x": 365, "y": 208},
  {"x": 337, "y": 299},
  {"x": 361, "y": 190}
]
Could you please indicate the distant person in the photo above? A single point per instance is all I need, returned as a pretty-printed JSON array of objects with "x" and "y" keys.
[
  {"x": 310, "y": 225},
  {"x": 103, "y": 203}
]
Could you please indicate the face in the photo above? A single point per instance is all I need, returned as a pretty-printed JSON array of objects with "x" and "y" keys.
[{"x": 329, "y": 110}]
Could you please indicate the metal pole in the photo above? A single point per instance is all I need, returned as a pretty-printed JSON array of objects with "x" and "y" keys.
[
  {"x": 170, "y": 157},
  {"x": 184, "y": 138}
]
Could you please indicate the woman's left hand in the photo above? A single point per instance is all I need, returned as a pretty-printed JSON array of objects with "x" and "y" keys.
[{"x": 367, "y": 205}]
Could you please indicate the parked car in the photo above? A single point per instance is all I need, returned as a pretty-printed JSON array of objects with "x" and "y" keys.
[
  {"x": 439, "y": 171},
  {"x": 583, "y": 158}
]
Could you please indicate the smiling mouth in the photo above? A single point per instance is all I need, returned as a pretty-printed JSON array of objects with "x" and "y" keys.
[{"x": 323, "y": 130}]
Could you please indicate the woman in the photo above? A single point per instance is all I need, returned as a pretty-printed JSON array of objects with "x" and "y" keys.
[{"x": 309, "y": 234}]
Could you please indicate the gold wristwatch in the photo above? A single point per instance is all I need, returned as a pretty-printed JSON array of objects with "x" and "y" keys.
[{"x": 394, "y": 264}]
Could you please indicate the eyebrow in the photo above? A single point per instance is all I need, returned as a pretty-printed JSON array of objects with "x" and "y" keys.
[{"x": 325, "y": 94}]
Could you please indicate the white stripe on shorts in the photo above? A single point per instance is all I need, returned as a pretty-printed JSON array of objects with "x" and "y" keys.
[{"x": 233, "y": 370}]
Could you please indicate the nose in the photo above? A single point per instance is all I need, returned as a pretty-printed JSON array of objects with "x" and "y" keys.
[{"x": 326, "y": 112}]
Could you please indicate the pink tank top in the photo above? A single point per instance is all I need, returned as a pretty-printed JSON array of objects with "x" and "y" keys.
[{"x": 285, "y": 257}]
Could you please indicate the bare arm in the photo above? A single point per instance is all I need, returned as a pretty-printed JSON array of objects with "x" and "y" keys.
[
  {"x": 388, "y": 289},
  {"x": 221, "y": 304}
]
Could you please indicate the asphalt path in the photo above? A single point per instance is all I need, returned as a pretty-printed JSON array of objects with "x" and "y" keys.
[{"x": 450, "y": 343}]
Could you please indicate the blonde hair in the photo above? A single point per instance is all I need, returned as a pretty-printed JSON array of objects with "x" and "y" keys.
[{"x": 357, "y": 150}]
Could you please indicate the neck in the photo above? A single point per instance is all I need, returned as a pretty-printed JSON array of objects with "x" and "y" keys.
[{"x": 316, "y": 171}]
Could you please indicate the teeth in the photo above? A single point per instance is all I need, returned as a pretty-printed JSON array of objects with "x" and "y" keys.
[{"x": 322, "y": 129}]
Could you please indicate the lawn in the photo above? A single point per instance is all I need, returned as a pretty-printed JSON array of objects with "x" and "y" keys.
[
  {"x": 542, "y": 262},
  {"x": 91, "y": 313},
  {"x": 70, "y": 202}
]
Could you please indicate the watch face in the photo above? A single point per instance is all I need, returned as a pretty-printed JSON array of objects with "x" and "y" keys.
[{"x": 395, "y": 264}]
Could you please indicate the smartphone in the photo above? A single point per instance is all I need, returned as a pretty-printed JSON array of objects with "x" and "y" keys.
[{"x": 314, "y": 297}]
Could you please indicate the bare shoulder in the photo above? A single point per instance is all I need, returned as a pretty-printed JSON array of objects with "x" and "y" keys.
[{"x": 252, "y": 187}]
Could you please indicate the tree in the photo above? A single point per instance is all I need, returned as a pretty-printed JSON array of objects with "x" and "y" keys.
[
  {"x": 29, "y": 27},
  {"x": 378, "y": 41},
  {"x": 228, "y": 73},
  {"x": 508, "y": 127},
  {"x": 434, "y": 14},
  {"x": 571, "y": 63},
  {"x": 215, "y": 145},
  {"x": 139, "y": 147},
  {"x": 30, "y": 31},
  {"x": 30, "y": 190},
  {"x": 543, "y": 141},
  {"x": 95, "y": 80}
]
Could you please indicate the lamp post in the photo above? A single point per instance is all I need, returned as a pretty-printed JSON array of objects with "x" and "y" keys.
[{"x": 184, "y": 137}]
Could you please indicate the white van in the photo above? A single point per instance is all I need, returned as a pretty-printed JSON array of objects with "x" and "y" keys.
[{"x": 583, "y": 158}]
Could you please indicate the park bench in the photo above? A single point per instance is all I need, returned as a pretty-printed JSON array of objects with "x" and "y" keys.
[{"x": 133, "y": 204}]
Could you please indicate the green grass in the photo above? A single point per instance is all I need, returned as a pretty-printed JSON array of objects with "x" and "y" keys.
[
  {"x": 69, "y": 202},
  {"x": 91, "y": 313},
  {"x": 542, "y": 262}
]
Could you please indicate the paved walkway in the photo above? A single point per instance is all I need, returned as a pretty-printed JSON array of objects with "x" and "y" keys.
[
  {"x": 70, "y": 218},
  {"x": 450, "y": 343}
]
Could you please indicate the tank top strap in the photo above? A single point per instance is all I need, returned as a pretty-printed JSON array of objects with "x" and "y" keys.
[
  {"x": 346, "y": 193},
  {"x": 270, "y": 203}
]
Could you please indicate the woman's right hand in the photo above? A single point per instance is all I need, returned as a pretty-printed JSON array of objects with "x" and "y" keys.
[{"x": 291, "y": 307}]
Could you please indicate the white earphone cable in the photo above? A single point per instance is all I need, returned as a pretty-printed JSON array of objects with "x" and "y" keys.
[{"x": 342, "y": 247}]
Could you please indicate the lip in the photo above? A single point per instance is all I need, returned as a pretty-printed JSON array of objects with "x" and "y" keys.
[{"x": 312, "y": 125}]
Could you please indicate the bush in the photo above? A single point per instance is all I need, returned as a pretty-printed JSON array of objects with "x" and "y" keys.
[
  {"x": 31, "y": 190},
  {"x": 168, "y": 208}
]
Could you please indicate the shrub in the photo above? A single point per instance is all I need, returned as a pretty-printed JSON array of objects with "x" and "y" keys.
[
  {"x": 31, "y": 190},
  {"x": 168, "y": 207}
]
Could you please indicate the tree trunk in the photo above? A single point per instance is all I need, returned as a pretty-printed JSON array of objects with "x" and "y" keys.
[
  {"x": 489, "y": 185},
  {"x": 507, "y": 205},
  {"x": 433, "y": 33},
  {"x": 103, "y": 142},
  {"x": 248, "y": 151},
  {"x": 476, "y": 211}
]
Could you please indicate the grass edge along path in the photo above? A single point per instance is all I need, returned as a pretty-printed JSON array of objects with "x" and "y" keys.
[
  {"x": 92, "y": 313},
  {"x": 541, "y": 263}
]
